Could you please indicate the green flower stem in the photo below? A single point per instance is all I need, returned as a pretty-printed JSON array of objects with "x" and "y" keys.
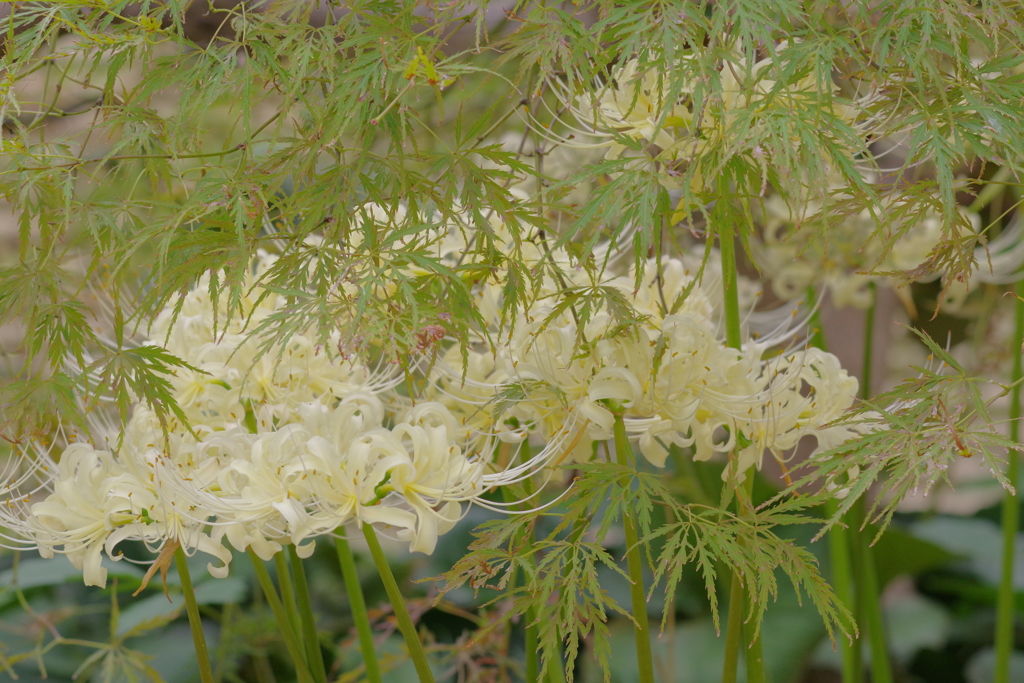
[
  {"x": 284, "y": 580},
  {"x": 733, "y": 630},
  {"x": 1005, "y": 605},
  {"x": 530, "y": 627},
  {"x": 755, "y": 660},
  {"x": 723, "y": 222},
  {"x": 864, "y": 570},
  {"x": 290, "y": 641},
  {"x": 839, "y": 540},
  {"x": 868, "y": 597},
  {"x": 553, "y": 670},
  {"x": 737, "y": 631},
  {"x": 730, "y": 288},
  {"x": 869, "y": 343},
  {"x": 755, "y": 656},
  {"x": 554, "y": 673},
  {"x": 839, "y": 546},
  {"x": 405, "y": 625},
  {"x": 308, "y": 622},
  {"x": 357, "y": 604},
  {"x": 532, "y": 642},
  {"x": 634, "y": 561},
  {"x": 195, "y": 622},
  {"x": 227, "y": 628},
  {"x": 532, "y": 645}
]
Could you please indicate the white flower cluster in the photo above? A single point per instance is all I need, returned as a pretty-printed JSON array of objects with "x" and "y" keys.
[
  {"x": 556, "y": 380},
  {"x": 669, "y": 114},
  {"x": 281, "y": 446},
  {"x": 794, "y": 259},
  {"x": 287, "y": 442}
]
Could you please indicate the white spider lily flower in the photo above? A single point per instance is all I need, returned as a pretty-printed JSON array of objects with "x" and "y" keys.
[
  {"x": 210, "y": 397},
  {"x": 537, "y": 355},
  {"x": 160, "y": 458},
  {"x": 221, "y": 480},
  {"x": 545, "y": 359},
  {"x": 97, "y": 502},
  {"x": 285, "y": 377},
  {"x": 676, "y": 385},
  {"x": 657, "y": 434},
  {"x": 297, "y": 481},
  {"x": 694, "y": 377},
  {"x": 266, "y": 490},
  {"x": 655, "y": 376},
  {"x": 431, "y": 414},
  {"x": 287, "y": 484},
  {"x": 804, "y": 392},
  {"x": 354, "y": 458},
  {"x": 83, "y": 509},
  {"x": 435, "y": 478}
]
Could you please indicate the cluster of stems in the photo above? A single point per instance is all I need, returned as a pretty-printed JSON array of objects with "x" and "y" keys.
[
  {"x": 854, "y": 571},
  {"x": 290, "y": 603}
]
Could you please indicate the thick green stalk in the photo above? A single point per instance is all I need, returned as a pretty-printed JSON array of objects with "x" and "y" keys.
[
  {"x": 755, "y": 657},
  {"x": 553, "y": 670},
  {"x": 866, "y": 576},
  {"x": 532, "y": 630},
  {"x": 869, "y": 344},
  {"x": 284, "y": 580},
  {"x": 556, "y": 672},
  {"x": 1005, "y": 605},
  {"x": 227, "y": 627},
  {"x": 755, "y": 660},
  {"x": 865, "y": 572},
  {"x": 730, "y": 288},
  {"x": 839, "y": 546},
  {"x": 357, "y": 604},
  {"x": 839, "y": 540},
  {"x": 195, "y": 622},
  {"x": 734, "y": 338},
  {"x": 308, "y": 622},
  {"x": 634, "y": 562},
  {"x": 532, "y": 645},
  {"x": 530, "y": 627},
  {"x": 733, "y": 630},
  {"x": 405, "y": 625},
  {"x": 737, "y": 631},
  {"x": 291, "y": 642}
]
